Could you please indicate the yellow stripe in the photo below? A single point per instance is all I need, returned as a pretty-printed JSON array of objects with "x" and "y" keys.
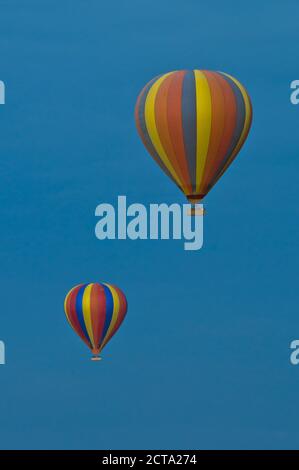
[
  {"x": 87, "y": 312},
  {"x": 248, "y": 115},
  {"x": 150, "y": 120},
  {"x": 114, "y": 315},
  {"x": 204, "y": 119}
]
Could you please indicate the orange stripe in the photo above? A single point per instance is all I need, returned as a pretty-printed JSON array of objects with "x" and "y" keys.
[
  {"x": 97, "y": 312},
  {"x": 161, "y": 116},
  {"x": 150, "y": 146},
  {"x": 122, "y": 309},
  {"x": 230, "y": 114},
  {"x": 217, "y": 125},
  {"x": 175, "y": 126}
]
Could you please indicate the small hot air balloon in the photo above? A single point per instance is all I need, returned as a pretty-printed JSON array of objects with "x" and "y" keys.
[
  {"x": 193, "y": 123},
  {"x": 95, "y": 311}
]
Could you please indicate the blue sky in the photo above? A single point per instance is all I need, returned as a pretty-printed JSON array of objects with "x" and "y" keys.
[{"x": 202, "y": 360}]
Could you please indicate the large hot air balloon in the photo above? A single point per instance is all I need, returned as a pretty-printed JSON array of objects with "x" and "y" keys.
[
  {"x": 193, "y": 123},
  {"x": 95, "y": 311}
]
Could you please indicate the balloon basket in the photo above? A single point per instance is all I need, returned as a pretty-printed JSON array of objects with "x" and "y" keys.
[
  {"x": 95, "y": 358},
  {"x": 196, "y": 211}
]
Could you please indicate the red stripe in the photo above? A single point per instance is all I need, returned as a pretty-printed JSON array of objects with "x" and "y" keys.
[
  {"x": 72, "y": 314},
  {"x": 230, "y": 116},
  {"x": 98, "y": 312},
  {"x": 175, "y": 125}
]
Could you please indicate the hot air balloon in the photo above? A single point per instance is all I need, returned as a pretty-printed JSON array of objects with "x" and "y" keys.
[
  {"x": 95, "y": 311},
  {"x": 193, "y": 123}
]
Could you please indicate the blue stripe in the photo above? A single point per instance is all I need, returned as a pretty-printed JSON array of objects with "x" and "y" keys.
[
  {"x": 141, "y": 116},
  {"x": 240, "y": 118},
  {"x": 79, "y": 311},
  {"x": 109, "y": 310}
]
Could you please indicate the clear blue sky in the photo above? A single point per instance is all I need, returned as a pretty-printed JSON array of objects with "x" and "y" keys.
[{"x": 202, "y": 360}]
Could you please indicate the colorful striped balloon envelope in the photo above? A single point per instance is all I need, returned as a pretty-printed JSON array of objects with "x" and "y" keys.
[
  {"x": 193, "y": 123},
  {"x": 95, "y": 312}
]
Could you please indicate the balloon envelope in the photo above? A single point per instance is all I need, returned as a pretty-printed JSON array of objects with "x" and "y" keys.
[
  {"x": 95, "y": 312},
  {"x": 193, "y": 123}
]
